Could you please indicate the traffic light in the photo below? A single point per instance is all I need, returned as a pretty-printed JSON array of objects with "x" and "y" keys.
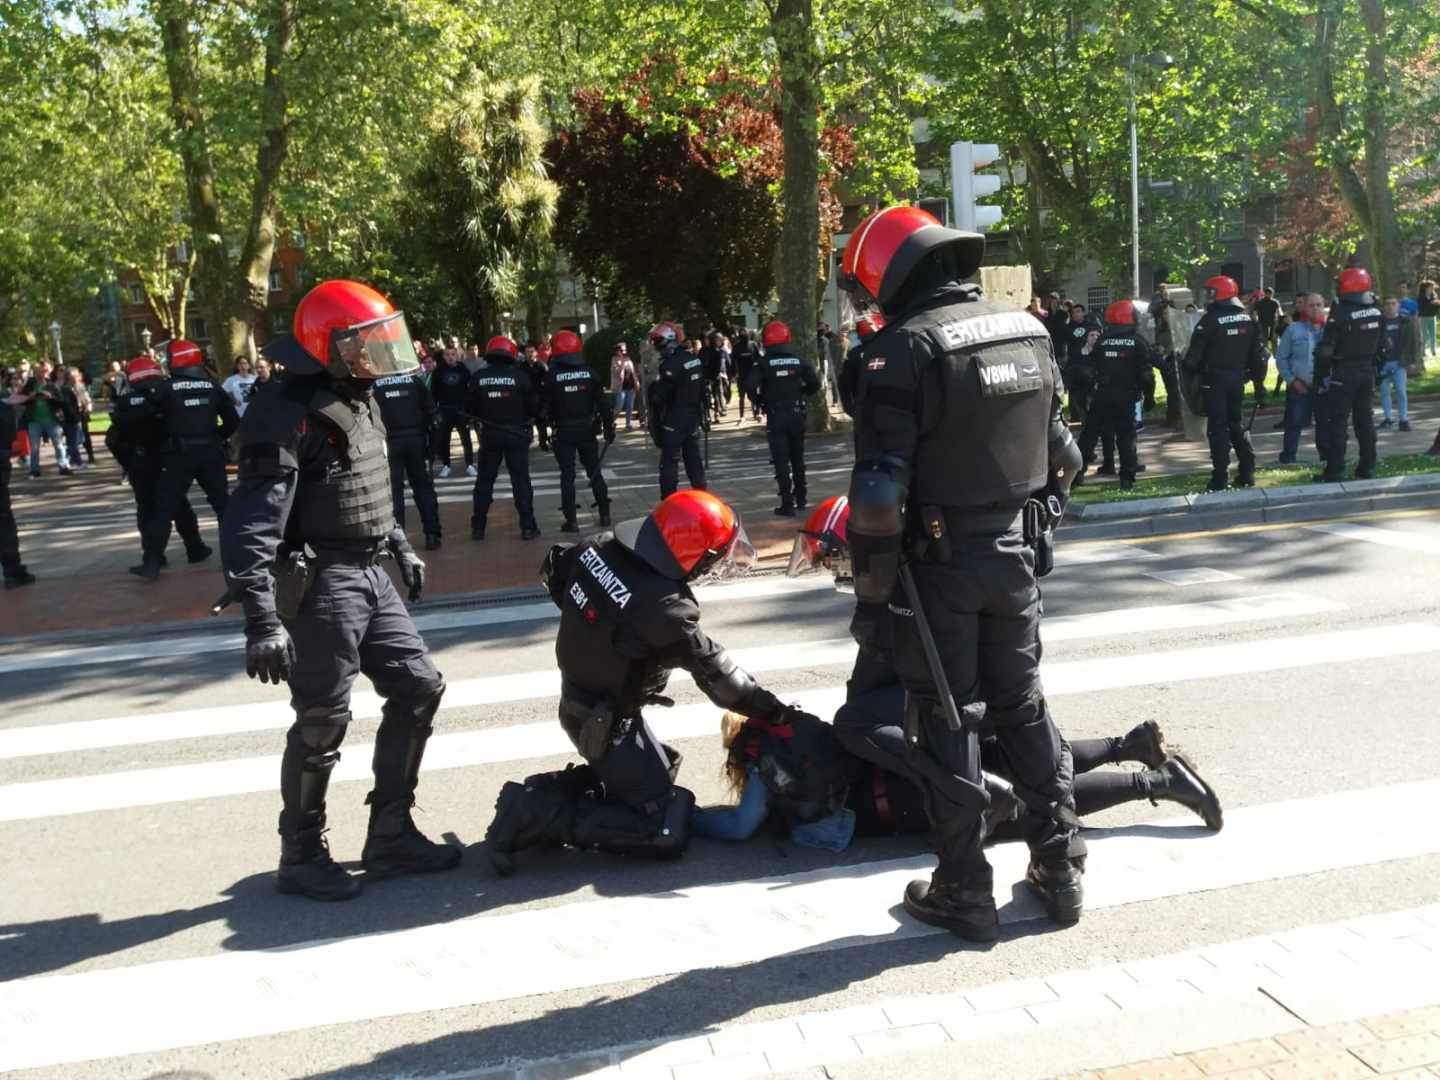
[{"x": 969, "y": 187}]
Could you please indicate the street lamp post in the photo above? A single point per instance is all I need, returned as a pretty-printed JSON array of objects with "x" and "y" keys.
[
  {"x": 55, "y": 333},
  {"x": 1161, "y": 60}
]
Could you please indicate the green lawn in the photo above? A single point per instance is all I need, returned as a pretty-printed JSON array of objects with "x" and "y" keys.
[
  {"x": 1265, "y": 476},
  {"x": 1428, "y": 382}
]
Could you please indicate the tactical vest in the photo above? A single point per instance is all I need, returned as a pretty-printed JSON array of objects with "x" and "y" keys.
[
  {"x": 1116, "y": 358},
  {"x": 1358, "y": 329},
  {"x": 344, "y": 495},
  {"x": 573, "y": 394},
  {"x": 996, "y": 388},
  {"x": 781, "y": 385},
  {"x": 399, "y": 397},
  {"x": 191, "y": 405},
  {"x": 686, "y": 375},
  {"x": 600, "y": 648},
  {"x": 497, "y": 393},
  {"x": 799, "y": 763},
  {"x": 1228, "y": 333},
  {"x": 134, "y": 419}
]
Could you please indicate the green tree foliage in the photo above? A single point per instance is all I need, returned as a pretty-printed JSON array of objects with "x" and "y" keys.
[{"x": 482, "y": 201}]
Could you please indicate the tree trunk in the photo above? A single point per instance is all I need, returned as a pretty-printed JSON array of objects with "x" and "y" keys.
[
  {"x": 206, "y": 231},
  {"x": 253, "y": 287},
  {"x": 797, "y": 257}
]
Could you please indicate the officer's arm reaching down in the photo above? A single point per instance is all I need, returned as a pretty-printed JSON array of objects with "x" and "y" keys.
[{"x": 721, "y": 679}]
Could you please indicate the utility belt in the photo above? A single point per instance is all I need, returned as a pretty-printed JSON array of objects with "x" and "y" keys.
[
  {"x": 178, "y": 443},
  {"x": 596, "y": 726},
  {"x": 931, "y": 527},
  {"x": 295, "y": 569}
]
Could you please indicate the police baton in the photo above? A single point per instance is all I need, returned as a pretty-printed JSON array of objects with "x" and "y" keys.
[
  {"x": 605, "y": 449},
  {"x": 932, "y": 654},
  {"x": 223, "y": 601}
]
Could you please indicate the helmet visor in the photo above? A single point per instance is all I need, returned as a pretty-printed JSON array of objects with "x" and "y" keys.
[
  {"x": 828, "y": 550},
  {"x": 374, "y": 349},
  {"x": 737, "y": 558},
  {"x": 803, "y": 556}
]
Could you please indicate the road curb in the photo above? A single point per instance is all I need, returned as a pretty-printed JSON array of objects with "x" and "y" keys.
[{"x": 1255, "y": 506}]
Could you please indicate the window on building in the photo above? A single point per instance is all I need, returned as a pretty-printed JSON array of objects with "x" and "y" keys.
[
  {"x": 137, "y": 294},
  {"x": 1234, "y": 270},
  {"x": 1097, "y": 297},
  {"x": 1285, "y": 279},
  {"x": 276, "y": 281},
  {"x": 279, "y": 323},
  {"x": 197, "y": 329}
]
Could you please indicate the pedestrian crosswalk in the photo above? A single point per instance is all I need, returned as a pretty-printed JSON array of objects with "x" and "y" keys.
[{"x": 155, "y": 1008}]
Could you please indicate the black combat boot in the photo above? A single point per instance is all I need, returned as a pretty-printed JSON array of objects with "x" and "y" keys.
[
  {"x": 785, "y": 509},
  {"x": 1144, "y": 743},
  {"x": 570, "y": 525},
  {"x": 1219, "y": 480},
  {"x": 306, "y": 868},
  {"x": 149, "y": 569},
  {"x": 1177, "y": 780},
  {"x": 1057, "y": 882},
  {"x": 603, "y": 506},
  {"x": 801, "y": 499},
  {"x": 477, "y": 529},
  {"x": 17, "y": 576},
  {"x": 529, "y": 528},
  {"x": 527, "y": 815},
  {"x": 393, "y": 845},
  {"x": 965, "y": 906},
  {"x": 432, "y": 541},
  {"x": 1127, "y": 482},
  {"x": 1106, "y": 469},
  {"x": 197, "y": 553}
]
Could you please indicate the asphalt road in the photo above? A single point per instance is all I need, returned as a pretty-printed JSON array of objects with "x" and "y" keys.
[{"x": 1292, "y": 663}]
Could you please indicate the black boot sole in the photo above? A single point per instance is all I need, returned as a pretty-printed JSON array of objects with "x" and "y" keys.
[
  {"x": 381, "y": 868},
  {"x": 294, "y": 888},
  {"x": 1064, "y": 906},
  {"x": 982, "y": 932},
  {"x": 1209, "y": 807}
]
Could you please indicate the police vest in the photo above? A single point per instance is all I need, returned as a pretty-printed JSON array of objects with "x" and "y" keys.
[
  {"x": 344, "y": 495},
  {"x": 799, "y": 763},
  {"x": 573, "y": 394},
  {"x": 685, "y": 374},
  {"x": 781, "y": 379},
  {"x": 1229, "y": 333},
  {"x": 497, "y": 395},
  {"x": 135, "y": 420},
  {"x": 400, "y": 398},
  {"x": 996, "y": 375},
  {"x": 191, "y": 405},
  {"x": 1358, "y": 328},
  {"x": 1116, "y": 358}
]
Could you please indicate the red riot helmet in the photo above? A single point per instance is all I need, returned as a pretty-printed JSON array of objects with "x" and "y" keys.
[
  {"x": 1120, "y": 313},
  {"x": 565, "y": 343},
  {"x": 180, "y": 353},
  {"x": 888, "y": 245},
  {"x": 500, "y": 345},
  {"x": 353, "y": 332},
  {"x": 690, "y": 534},
  {"x": 775, "y": 333},
  {"x": 142, "y": 369},
  {"x": 823, "y": 539},
  {"x": 542, "y": 353},
  {"x": 869, "y": 325},
  {"x": 1221, "y": 287},
  {"x": 1356, "y": 279},
  {"x": 664, "y": 334}
]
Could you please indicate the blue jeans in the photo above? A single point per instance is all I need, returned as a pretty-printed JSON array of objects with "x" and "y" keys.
[
  {"x": 1299, "y": 411},
  {"x": 52, "y": 432},
  {"x": 1427, "y": 328},
  {"x": 625, "y": 400},
  {"x": 1392, "y": 372}
]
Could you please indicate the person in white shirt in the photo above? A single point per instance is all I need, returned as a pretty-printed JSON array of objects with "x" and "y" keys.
[{"x": 238, "y": 386}]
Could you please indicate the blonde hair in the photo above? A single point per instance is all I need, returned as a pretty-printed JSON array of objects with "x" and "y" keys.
[{"x": 733, "y": 772}]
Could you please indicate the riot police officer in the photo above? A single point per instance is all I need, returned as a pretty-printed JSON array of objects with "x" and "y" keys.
[
  {"x": 302, "y": 542},
  {"x": 849, "y": 382},
  {"x": 575, "y": 405},
  {"x": 504, "y": 402},
  {"x": 1345, "y": 360},
  {"x": 450, "y": 387},
  {"x": 960, "y": 422},
  {"x": 782, "y": 381},
  {"x": 137, "y": 432},
  {"x": 628, "y": 616},
  {"x": 408, "y": 409},
  {"x": 14, "y": 572},
  {"x": 676, "y": 407},
  {"x": 1225, "y": 353},
  {"x": 1121, "y": 365},
  {"x": 198, "y": 417}
]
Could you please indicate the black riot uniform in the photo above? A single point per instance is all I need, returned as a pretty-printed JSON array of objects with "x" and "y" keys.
[
  {"x": 198, "y": 417},
  {"x": 14, "y": 570},
  {"x": 782, "y": 382},
  {"x": 676, "y": 406},
  {"x": 1225, "y": 351},
  {"x": 409, "y": 412},
  {"x": 450, "y": 387},
  {"x": 539, "y": 375},
  {"x": 624, "y": 625},
  {"x": 1121, "y": 367},
  {"x": 308, "y": 525},
  {"x": 504, "y": 402},
  {"x": 960, "y": 422},
  {"x": 575, "y": 405},
  {"x": 1345, "y": 359},
  {"x": 135, "y": 438}
]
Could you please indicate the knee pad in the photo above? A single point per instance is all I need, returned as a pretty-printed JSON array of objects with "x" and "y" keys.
[
  {"x": 318, "y": 731},
  {"x": 418, "y": 703}
]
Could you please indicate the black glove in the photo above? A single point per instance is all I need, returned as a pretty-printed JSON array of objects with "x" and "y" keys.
[
  {"x": 412, "y": 567},
  {"x": 269, "y": 653}
]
